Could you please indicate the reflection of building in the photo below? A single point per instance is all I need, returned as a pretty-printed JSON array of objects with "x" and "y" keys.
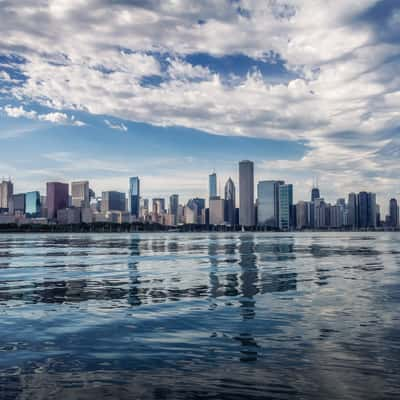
[
  {"x": 246, "y": 193},
  {"x": 57, "y": 198},
  {"x": 80, "y": 194},
  {"x": 32, "y": 204},
  {"x": 134, "y": 196}
]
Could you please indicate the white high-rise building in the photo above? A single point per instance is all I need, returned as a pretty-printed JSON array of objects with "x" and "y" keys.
[{"x": 80, "y": 194}]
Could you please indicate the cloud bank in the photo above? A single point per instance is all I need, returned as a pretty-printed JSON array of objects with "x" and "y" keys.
[{"x": 129, "y": 59}]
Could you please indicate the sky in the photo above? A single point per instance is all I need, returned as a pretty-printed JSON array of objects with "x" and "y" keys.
[{"x": 171, "y": 90}]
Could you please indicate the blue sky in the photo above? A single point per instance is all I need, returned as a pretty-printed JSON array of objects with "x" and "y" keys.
[{"x": 170, "y": 90}]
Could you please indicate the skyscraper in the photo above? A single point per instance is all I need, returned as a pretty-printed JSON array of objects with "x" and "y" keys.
[
  {"x": 230, "y": 202},
  {"x": 217, "y": 208},
  {"x": 285, "y": 206},
  {"x": 6, "y": 192},
  {"x": 80, "y": 194},
  {"x": 302, "y": 214},
  {"x": 394, "y": 213},
  {"x": 57, "y": 198},
  {"x": 32, "y": 204},
  {"x": 158, "y": 207},
  {"x": 173, "y": 207},
  {"x": 268, "y": 203},
  {"x": 212, "y": 184},
  {"x": 113, "y": 201},
  {"x": 315, "y": 194},
  {"x": 367, "y": 210},
  {"x": 352, "y": 211},
  {"x": 17, "y": 204},
  {"x": 246, "y": 193},
  {"x": 134, "y": 196}
]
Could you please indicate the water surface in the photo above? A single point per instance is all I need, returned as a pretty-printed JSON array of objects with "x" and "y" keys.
[{"x": 200, "y": 316}]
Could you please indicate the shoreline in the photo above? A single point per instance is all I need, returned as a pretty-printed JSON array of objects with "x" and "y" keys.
[{"x": 157, "y": 228}]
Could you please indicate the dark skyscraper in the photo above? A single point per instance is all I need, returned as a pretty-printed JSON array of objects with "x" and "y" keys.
[
  {"x": 352, "y": 211},
  {"x": 394, "y": 213},
  {"x": 113, "y": 201},
  {"x": 173, "y": 207},
  {"x": 57, "y": 198},
  {"x": 366, "y": 210},
  {"x": 246, "y": 193},
  {"x": 134, "y": 196},
  {"x": 230, "y": 202},
  {"x": 315, "y": 194},
  {"x": 17, "y": 204}
]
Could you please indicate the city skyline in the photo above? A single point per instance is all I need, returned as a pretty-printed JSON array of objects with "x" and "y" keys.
[
  {"x": 173, "y": 100},
  {"x": 267, "y": 204}
]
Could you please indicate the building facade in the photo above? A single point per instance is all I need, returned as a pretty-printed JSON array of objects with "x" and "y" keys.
[
  {"x": 134, "y": 196},
  {"x": 113, "y": 201},
  {"x": 246, "y": 193},
  {"x": 212, "y": 185},
  {"x": 230, "y": 203},
  {"x": 80, "y": 194},
  {"x": 6, "y": 192},
  {"x": 217, "y": 211},
  {"x": 57, "y": 198},
  {"x": 32, "y": 204},
  {"x": 285, "y": 206}
]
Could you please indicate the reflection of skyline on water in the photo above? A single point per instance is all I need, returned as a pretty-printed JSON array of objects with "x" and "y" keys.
[{"x": 230, "y": 313}]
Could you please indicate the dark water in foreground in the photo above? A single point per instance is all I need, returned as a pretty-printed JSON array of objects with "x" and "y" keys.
[{"x": 200, "y": 316}]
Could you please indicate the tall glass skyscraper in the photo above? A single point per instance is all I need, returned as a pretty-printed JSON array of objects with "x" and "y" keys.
[
  {"x": 246, "y": 193},
  {"x": 230, "y": 202},
  {"x": 32, "y": 204},
  {"x": 134, "y": 196},
  {"x": 285, "y": 206},
  {"x": 268, "y": 203},
  {"x": 367, "y": 210},
  {"x": 212, "y": 183},
  {"x": 394, "y": 213}
]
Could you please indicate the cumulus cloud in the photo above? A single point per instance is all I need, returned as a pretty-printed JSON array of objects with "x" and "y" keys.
[{"x": 106, "y": 53}]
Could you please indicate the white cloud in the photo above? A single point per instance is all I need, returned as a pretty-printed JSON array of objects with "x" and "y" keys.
[
  {"x": 347, "y": 78},
  {"x": 119, "y": 127},
  {"x": 54, "y": 117},
  {"x": 19, "y": 112}
]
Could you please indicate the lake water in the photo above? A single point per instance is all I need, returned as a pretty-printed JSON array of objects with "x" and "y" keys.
[{"x": 200, "y": 316}]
